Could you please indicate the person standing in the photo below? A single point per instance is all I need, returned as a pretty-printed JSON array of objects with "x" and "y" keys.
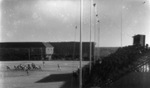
[
  {"x": 27, "y": 70},
  {"x": 59, "y": 68},
  {"x": 43, "y": 61}
]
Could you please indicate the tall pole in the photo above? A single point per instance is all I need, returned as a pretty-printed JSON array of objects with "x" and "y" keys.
[
  {"x": 91, "y": 5},
  {"x": 95, "y": 53},
  {"x": 121, "y": 22},
  {"x": 74, "y": 44},
  {"x": 81, "y": 12},
  {"x": 98, "y": 31},
  {"x": 99, "y": 38}
]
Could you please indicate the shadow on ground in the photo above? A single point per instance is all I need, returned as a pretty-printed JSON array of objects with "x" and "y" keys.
[{"x": 68, "y": 79}]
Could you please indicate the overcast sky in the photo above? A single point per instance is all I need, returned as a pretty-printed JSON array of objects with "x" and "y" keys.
[{"x": 56, "y": 20}]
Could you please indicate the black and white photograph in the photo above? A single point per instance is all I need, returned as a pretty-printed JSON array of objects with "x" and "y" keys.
[{"x": 74, "y": 43}]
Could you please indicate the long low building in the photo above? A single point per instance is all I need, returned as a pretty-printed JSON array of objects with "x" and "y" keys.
[
  {"x": 25, "y": 51},
  {"x": 45, "y": 50}
]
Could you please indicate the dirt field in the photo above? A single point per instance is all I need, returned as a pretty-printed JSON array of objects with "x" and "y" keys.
[{"x": 48, "y": 77}]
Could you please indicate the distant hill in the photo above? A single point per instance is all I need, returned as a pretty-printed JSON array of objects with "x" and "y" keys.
[{"x": 105, "y": 51}]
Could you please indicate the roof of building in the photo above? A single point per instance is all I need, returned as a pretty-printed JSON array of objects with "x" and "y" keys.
[
  {"x": 24, "y": 44},
  {"x": 47, "y": 44},
  {"x": 138, "y": 35}
]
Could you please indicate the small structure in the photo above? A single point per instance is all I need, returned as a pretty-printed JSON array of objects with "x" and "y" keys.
[
  {"x": 139, "y": 40},
  {"x": 49, "y": 50},
  {"x": 25, "y": 51}
]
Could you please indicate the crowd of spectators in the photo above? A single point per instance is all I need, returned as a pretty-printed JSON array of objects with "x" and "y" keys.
[{"x": 114, "y": 66}]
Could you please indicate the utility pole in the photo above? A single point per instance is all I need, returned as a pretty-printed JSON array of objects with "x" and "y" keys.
[
  {"x": 91, "y": 5},
  {"x": 81, "y": 14}
]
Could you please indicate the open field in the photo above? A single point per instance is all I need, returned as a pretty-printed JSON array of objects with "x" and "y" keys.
[
  {"x": 51, "y": 77},
  {"x": 48, "y": 77}
]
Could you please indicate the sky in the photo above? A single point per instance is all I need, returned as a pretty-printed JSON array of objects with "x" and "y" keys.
[{"x": 59, "y": 20}]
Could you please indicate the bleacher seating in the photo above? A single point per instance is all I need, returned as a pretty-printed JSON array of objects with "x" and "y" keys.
[{"x": 123, "y": 61}]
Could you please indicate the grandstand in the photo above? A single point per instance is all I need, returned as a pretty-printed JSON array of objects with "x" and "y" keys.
[{"x": 115, "y": 66}]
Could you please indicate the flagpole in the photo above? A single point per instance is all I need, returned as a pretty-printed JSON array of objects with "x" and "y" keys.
[
  {"x": 81, "y": 12},
  {"x": 91, "y": 4}
]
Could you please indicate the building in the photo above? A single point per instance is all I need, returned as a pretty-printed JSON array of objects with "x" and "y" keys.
[
  {"x": 25, "y": 51},
  {"x": 71, "y": 50},
  {"x": 47, "y": 50},
  {"x": 139, "y": 40}
]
